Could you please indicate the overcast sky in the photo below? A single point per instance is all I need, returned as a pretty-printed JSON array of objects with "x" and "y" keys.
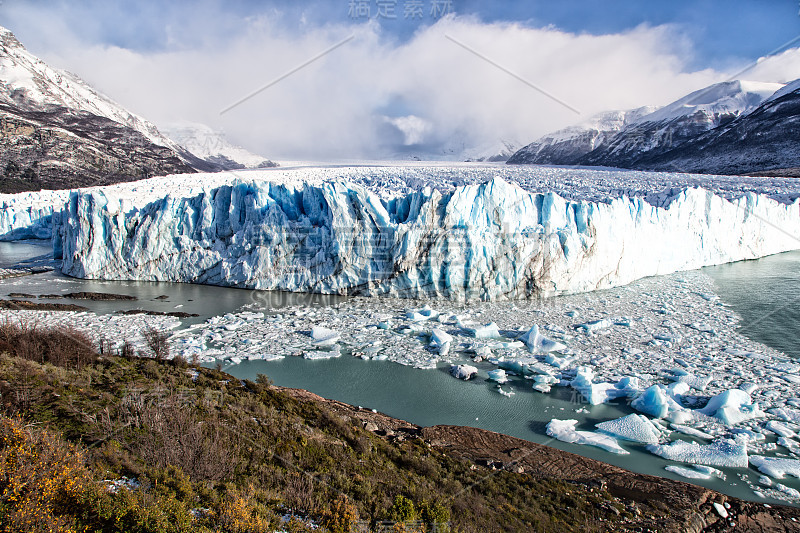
[{"x": 426, "y": 77}]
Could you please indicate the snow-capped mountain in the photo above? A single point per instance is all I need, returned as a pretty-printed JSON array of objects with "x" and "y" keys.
[
  {"x": 568, "y": 146},
  {"x": 497, "y": 152},
  {"x": 680, "y": 122},
  {"x": 29, "y": 84},
  {"x": 646, "y": 136},
  {"x": 765, "y": 140},
  {"x": 210, "y": 145},
  {"x": 60, "y": 132}
]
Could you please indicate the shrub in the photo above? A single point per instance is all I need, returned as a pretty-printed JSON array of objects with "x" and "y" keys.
[
  {"x": 341, "y": 517},
  {"x": 65, "y": 347},
  {"x": 157, "y": 341},
  {"x": 42, "y": 480}
]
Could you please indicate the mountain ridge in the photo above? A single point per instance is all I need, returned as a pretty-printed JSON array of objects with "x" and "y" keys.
[
  {"x": 59, "y": 132},
  {"x": 657, "y": 141}
]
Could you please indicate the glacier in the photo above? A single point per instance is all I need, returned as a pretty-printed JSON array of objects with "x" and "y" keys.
[
  {"x": 29, "y": 215},
  {"x": 487, "y": 241}
]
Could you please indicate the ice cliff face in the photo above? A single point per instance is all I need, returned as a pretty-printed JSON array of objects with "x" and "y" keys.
[
  {"x": 487, "y": 241},
  {"x": 29, "y": 215}
]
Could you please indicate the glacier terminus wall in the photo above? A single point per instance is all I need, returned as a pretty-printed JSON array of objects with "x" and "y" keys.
[{"x": 487, "y": 241}]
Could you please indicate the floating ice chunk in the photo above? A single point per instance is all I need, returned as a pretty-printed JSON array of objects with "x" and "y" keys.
[
  {"x": 780, "y": 429},
  {"x": 594, "y": 393},
  {"x": 441, "y": 340},
  {"x": 564, "y": 430},
  {"x": 507, "y": 394},
  {"x": 688, "y": 473},
  {"x": 634, "y": 427},
  {"x": 722, "y": 452},
  {"x": 683, "y": 416},
  {"x": 421, "y": 315},
  {"x": 676, "y": 390},
  {"x": 498, "y": 375},
  {"x": 789, "y": 415},
  {"x": 623, "y": 321},
  {"x": 749, "y": 388},
  {"x": 746, "y": 436},
  {"x": 629, "y": 385},
  {"x": 483, "y": 352},
  {"x": 776, "y": 467},
  {"x": 464, "y": 372},
  {"x": 791, "y": 445},
  {"x": 514, "y": 345},
  {"x": 696, "y": 382},
  {"x": 593, "y": 327},
  {"x": 536, "y": 343},
  {"x": 323, "y": 336},
  {"x": 489, "y": 331},
  {"x": 544, "y": 382},
  {"x": 331, "y": 353},
  {"x": 710, "y": 471},
  {"x": 793, "y": 494},
  {"x": 686, "y": 430},
  {"x": 656, "y": 402},
  {"x": 732, "y": 407},
  {"x": 559, "y": 362},
  {"x": 703, "y": 327}
]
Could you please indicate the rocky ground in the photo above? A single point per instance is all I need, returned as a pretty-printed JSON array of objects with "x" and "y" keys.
[{"x": 656, "y": 504}]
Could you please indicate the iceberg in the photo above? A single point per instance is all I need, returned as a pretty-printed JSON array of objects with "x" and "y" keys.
[
  {"x": 594, "y": 393},
  {"x": 421, "y": 315},
  {"x": 696, "y": 382},
  {"x": 633, "y": 427},
  {"x": 594, "y": 327},
  {"x": 776, "y": 467},
  {"x": 489, "y": 331},
  {"x": 441, "y": 340},
  {"x": 655, "y": 401},
  {"x": 304, "y": 232},
  {"x": 465, "y": 372},
  {"x": 732, "y": 407},
  {"x": 722, "y": 452},
  {"x": 780, "y": 428},
  {"x": 498, "y": 375},
  {"x": 564, "y": 430},
  {"x": 544, "y": 382},
  {"x": 698, "y": 472},
  {"x": 323, "y": 336},
  {"x": 537, "y": 343}
]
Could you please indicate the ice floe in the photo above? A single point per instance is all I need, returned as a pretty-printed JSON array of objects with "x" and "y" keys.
[
  {"x": 633, "y": 427},
  {"x": 721, "y": 452},
  {"x": 564, "y": 430}
]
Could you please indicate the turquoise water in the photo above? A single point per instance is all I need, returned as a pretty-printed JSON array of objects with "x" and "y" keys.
[{"x": 764, "y": 292}]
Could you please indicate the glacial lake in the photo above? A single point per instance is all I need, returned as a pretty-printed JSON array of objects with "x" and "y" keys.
[{"x": 765, "y": 293}]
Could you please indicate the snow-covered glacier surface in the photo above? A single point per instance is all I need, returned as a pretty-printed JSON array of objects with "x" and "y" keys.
[{"x": 456, "y": 233}]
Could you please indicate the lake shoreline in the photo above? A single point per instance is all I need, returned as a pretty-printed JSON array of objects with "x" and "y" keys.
[{"x": 691, "y": 505}]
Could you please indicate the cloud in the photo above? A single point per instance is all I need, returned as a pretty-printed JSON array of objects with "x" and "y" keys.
[
  {"x": 414, "y": 129},
  {"x": 782, "y": 67},
  {"x": 376, "y": 96}
]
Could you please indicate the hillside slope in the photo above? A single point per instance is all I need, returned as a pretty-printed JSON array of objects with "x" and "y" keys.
[{"x": 58, "y": 132}]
